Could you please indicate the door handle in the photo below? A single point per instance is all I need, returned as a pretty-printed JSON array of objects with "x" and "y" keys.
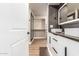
[{"x": 28, "y": 33}]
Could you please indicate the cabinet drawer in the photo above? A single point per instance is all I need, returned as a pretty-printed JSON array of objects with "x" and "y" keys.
[
  {"x": 57, "y": 46},
  {"x": 73, "y": 48},
  {"x": 54, "y": 43}
]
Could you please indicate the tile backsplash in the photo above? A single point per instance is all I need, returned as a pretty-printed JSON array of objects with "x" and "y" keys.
[
  {"x": 72, "y": 31},
  {"x": 56, "y": 30}
]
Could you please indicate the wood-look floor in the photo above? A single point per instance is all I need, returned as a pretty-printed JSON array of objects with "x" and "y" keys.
[{"x": 35, "y": 47}]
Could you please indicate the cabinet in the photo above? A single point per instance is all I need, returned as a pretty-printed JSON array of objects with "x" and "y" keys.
[
  {"x": 51, "y": 49},
  {"x": 70, "y": 45},
  {"x": 57, "y": 44},
  {"x": 57, "y": 49},
  {"x": 73, "y": 48},
  {"x": 68, "y": 13},
  {"x": 62, "y": 46}
]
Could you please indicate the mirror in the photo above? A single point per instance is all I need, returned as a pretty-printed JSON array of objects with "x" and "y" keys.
[{"x": 69, "y": 12}]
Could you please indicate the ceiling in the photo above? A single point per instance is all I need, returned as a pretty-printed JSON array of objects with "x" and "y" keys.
[{"x": 39, "y": 9}]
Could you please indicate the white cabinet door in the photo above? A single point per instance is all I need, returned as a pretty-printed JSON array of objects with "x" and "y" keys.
[
  {"x": 64, "y": 43},
  {"x": 58, "y": 46},
  {"x": 63, "y": 46},
  {"x": 13, "y": 27},
  {"x": 73, "y": 48},
  {"x": 49, "y": 44}
]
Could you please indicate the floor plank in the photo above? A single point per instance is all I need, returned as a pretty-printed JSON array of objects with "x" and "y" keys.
[{"x": 34, "y": 48}]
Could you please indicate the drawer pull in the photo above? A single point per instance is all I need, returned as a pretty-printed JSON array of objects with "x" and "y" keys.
[
  {"x": 54, "y": 39},
  {"x": 65, "y": 51},
  {"x": 54, "y": 50}
]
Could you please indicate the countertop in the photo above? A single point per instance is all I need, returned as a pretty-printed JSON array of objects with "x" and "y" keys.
[{"x": 67, "y": 36}]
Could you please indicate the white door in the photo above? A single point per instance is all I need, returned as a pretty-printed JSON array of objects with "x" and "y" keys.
[{"x": 13, "y": 29}]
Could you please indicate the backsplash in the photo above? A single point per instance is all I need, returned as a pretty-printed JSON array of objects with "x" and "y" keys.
[
  {"x": 73, "y": 25},
  {"x": 56, "y": 30},
  {"x": 72, "y": 31}
]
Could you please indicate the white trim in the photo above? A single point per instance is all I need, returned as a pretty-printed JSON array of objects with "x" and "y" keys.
[
  {"x": 58, "y": 16},
  {"x": 71, "y": 21},
  {"x": 31, "y": 41},
  {"x": 39, "y": 17},
  {"x": 76, "y": 13},
  {"x": 62, "y": 6},
  {"x": 36, "y": 38},
  {"x": 59, "y": 12},
  {"x": 49, "y": 51},
  {"x": 39, "y": 37}
]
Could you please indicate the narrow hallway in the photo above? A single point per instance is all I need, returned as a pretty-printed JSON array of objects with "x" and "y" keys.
[{"x": 38, "y": 29}]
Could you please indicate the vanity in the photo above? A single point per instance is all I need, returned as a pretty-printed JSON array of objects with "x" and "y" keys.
[{"x": 65, "y": 43}]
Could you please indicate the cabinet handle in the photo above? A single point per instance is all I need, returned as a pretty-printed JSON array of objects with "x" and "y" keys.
[
  {"x": 54, "y": 50},
  {"x": 50, "y": 40},
  {"x": 65, "y": 51},
  {"x": 54, "y": 39}
]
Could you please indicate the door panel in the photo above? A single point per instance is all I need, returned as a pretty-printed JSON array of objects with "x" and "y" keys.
[
  {"x": 20, "y": 48},
  {"x": 13, "y": 27}
]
